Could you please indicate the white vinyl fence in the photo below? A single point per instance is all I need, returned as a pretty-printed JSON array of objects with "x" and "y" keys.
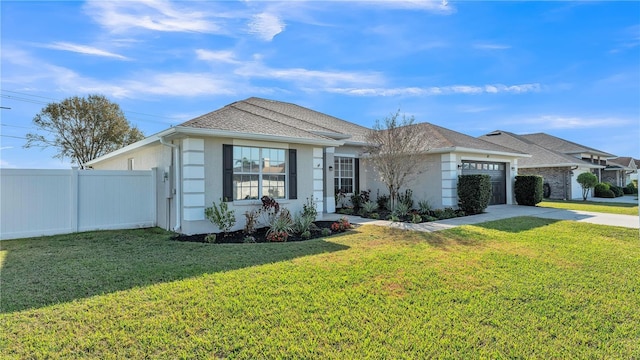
[{"x": 48, "y": 202}]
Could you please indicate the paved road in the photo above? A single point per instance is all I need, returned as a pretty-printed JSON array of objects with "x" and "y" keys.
[{"x": 499, "y": 212}]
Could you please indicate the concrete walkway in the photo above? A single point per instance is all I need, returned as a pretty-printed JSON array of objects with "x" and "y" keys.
[
  {"x": 627, "y": 199},
  {"x": 499, "y": 212}
]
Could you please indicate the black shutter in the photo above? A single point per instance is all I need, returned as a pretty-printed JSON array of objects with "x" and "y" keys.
[
  {"x": 227, "y": 172},
  {"x": 293, "y": 174},
  {"x": 356, "y": 173}
]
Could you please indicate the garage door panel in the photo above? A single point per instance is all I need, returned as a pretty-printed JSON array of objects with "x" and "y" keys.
[{"x": 497, "y": 172}]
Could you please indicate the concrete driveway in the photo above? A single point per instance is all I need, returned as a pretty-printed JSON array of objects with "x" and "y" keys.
[{"x": 499, "y": 212}]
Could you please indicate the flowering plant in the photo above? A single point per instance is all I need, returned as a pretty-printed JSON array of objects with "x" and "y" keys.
[
  {"x": 341, "y": 225},
  {"x": 278, "y": 236}
]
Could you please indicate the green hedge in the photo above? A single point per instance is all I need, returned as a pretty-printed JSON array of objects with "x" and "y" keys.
[
  {"x": 617, "y": 190},
  {"x": 528, "y": 189},
  {"x": 603, "y": 190},
  {"x": 474, "y": 193}
]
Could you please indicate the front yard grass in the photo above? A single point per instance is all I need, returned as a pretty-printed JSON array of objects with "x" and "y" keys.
[
  {"x": 517, "y": 288},
  {"x": 593, "y": 206}
]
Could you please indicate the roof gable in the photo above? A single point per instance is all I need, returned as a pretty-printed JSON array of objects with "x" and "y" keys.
[{"x": 442, "y": 138}]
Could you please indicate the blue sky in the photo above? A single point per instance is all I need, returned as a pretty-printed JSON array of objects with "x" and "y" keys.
[{"x": 571, "y": 69}]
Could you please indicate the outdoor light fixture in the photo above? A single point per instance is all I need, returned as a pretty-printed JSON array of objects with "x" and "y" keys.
[
  {"x": 330, "y": 168},
  {"x": 459, "y": 166}
]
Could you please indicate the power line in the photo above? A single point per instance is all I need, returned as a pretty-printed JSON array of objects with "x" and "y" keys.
[
  {"x": 57, "y": 100},
  {"x": 14, "y": 137}
]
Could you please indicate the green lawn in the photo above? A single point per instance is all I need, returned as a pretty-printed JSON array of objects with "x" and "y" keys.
[
  {"x": 593, "y": 206},
  {"x": 517, "y": 288}
]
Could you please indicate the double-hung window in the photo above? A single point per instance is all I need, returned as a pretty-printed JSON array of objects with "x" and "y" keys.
[
  {"x": 258, "y": 172},
  {"x": 344, "y": 177}
]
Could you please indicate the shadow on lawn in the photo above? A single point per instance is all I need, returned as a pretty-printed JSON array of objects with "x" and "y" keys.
[
  {"x": 517, "y": 224},
  {"x": 57, "y": 269}
]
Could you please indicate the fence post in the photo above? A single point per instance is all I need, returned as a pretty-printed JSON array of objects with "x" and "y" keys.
[
  {"x": 154, "y": 194},
  {"x": 73, "y": 202}
]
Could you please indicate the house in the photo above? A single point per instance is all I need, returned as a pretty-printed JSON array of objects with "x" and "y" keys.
[
  {"x": 560, "y": 170},
  {"x": 620, "y": 170},
  {"x": 256, "y": 147}
]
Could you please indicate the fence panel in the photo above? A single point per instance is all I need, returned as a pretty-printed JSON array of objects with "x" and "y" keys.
[
  {"x": 49, "y": 202},
  {"x": 115, "y": 199}
]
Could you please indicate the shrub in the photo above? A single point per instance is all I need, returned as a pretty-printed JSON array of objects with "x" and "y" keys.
[
  {"x": 374, "y": 216},
  {"x": 309, "y": 208},
  {"x": 211, "y": 238},
  {"x": 359, "y": 198},
  {"x": 416, "y": 219},
  {"x": 546, "y": 190},
  {"x": 630, "y": 188},
  {"x": 424, "y": 207},
  {"x": 269, "y": 210},
  {"x": 280, "y": 227},
  {"x": 446, "y": 213},
  {"x": 602, "y": 190},
  {"x": 383, "y": 202},
  {"x": 251, "y": 218},
  {"x": 221, "y": 216},
  {"x": 302, "y": 223},
  {"x": 528, "y": 189},
  {"x": 249, "y": 239},
  {"x": 345, "y": 211},
  {"x": 587, "y": 181},
  {"x": 401, "y": 209},
  {"x": 406, "y": 198},
  {"x": 617, "y": 190},
  {"x": 341, "y": 225},
  {"x": 306, "y": 234},
  {"x": 369, "y": 207},
  {"x": 325, "y": 232},
  {"x": 474, "y": 193}
]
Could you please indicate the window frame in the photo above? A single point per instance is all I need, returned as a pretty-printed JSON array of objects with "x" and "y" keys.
[
  {"x": 338, "y": 173},
  {"x": 262, "y": 176}
]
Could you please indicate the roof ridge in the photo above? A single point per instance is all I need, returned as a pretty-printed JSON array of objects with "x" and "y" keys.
[
  {"x": 233, "y": 105},
  {"x": 289, "y": 116}
]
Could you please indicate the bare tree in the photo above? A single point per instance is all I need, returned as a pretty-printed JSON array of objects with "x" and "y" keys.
[
  {"x": 393, "y": 148},
  {"x": 82, "y": 129}
]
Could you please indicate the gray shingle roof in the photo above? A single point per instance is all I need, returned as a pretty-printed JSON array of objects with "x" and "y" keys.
[
  {"x": 540, "y": 156},
  {"x": 625, "y": 161},
  {"x": 269, "y": 117},
  {"x": 440, "y": 138},
  {"x": 561, "y": 145}
]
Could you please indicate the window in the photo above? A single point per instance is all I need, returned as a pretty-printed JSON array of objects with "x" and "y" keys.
[
  {"x": 258, "y": 172},
  {"x": 344, "y": 174}
]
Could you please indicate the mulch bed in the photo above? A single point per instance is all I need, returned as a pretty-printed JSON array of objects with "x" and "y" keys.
[{"x": 237, "y": 237}]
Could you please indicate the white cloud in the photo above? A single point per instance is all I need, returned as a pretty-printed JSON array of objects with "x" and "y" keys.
[
  {"x": 439, "y": 90},
  {"x": 489, "y": 46},
  {"x": 84, "y": 49},
  {"x": 309, "y": 77},
  {"x": 266, "y": 26},
  {"x": 225, "y": 56},
  {"x": 434, "y": 6},
  {"x": 158, "y": 15},
  {"x": 575, "y": 122}
]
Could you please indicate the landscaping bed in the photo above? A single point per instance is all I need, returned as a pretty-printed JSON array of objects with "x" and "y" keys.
[{"x": 259, "y": 236}]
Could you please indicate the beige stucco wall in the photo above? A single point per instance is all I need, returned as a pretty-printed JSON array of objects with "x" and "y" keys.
[
  {"x": 213, "y": 182},
  {"x": 425, "y": 183},
  {"x": 145, "y": 158}
]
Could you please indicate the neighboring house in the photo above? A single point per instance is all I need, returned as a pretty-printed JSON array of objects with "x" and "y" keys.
[
  {"x": 558, "y": 169},
  {"x": 619, "y": 170},
  {"x": 258, "y": 147},
  {"x": 576, "y": 150}
]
